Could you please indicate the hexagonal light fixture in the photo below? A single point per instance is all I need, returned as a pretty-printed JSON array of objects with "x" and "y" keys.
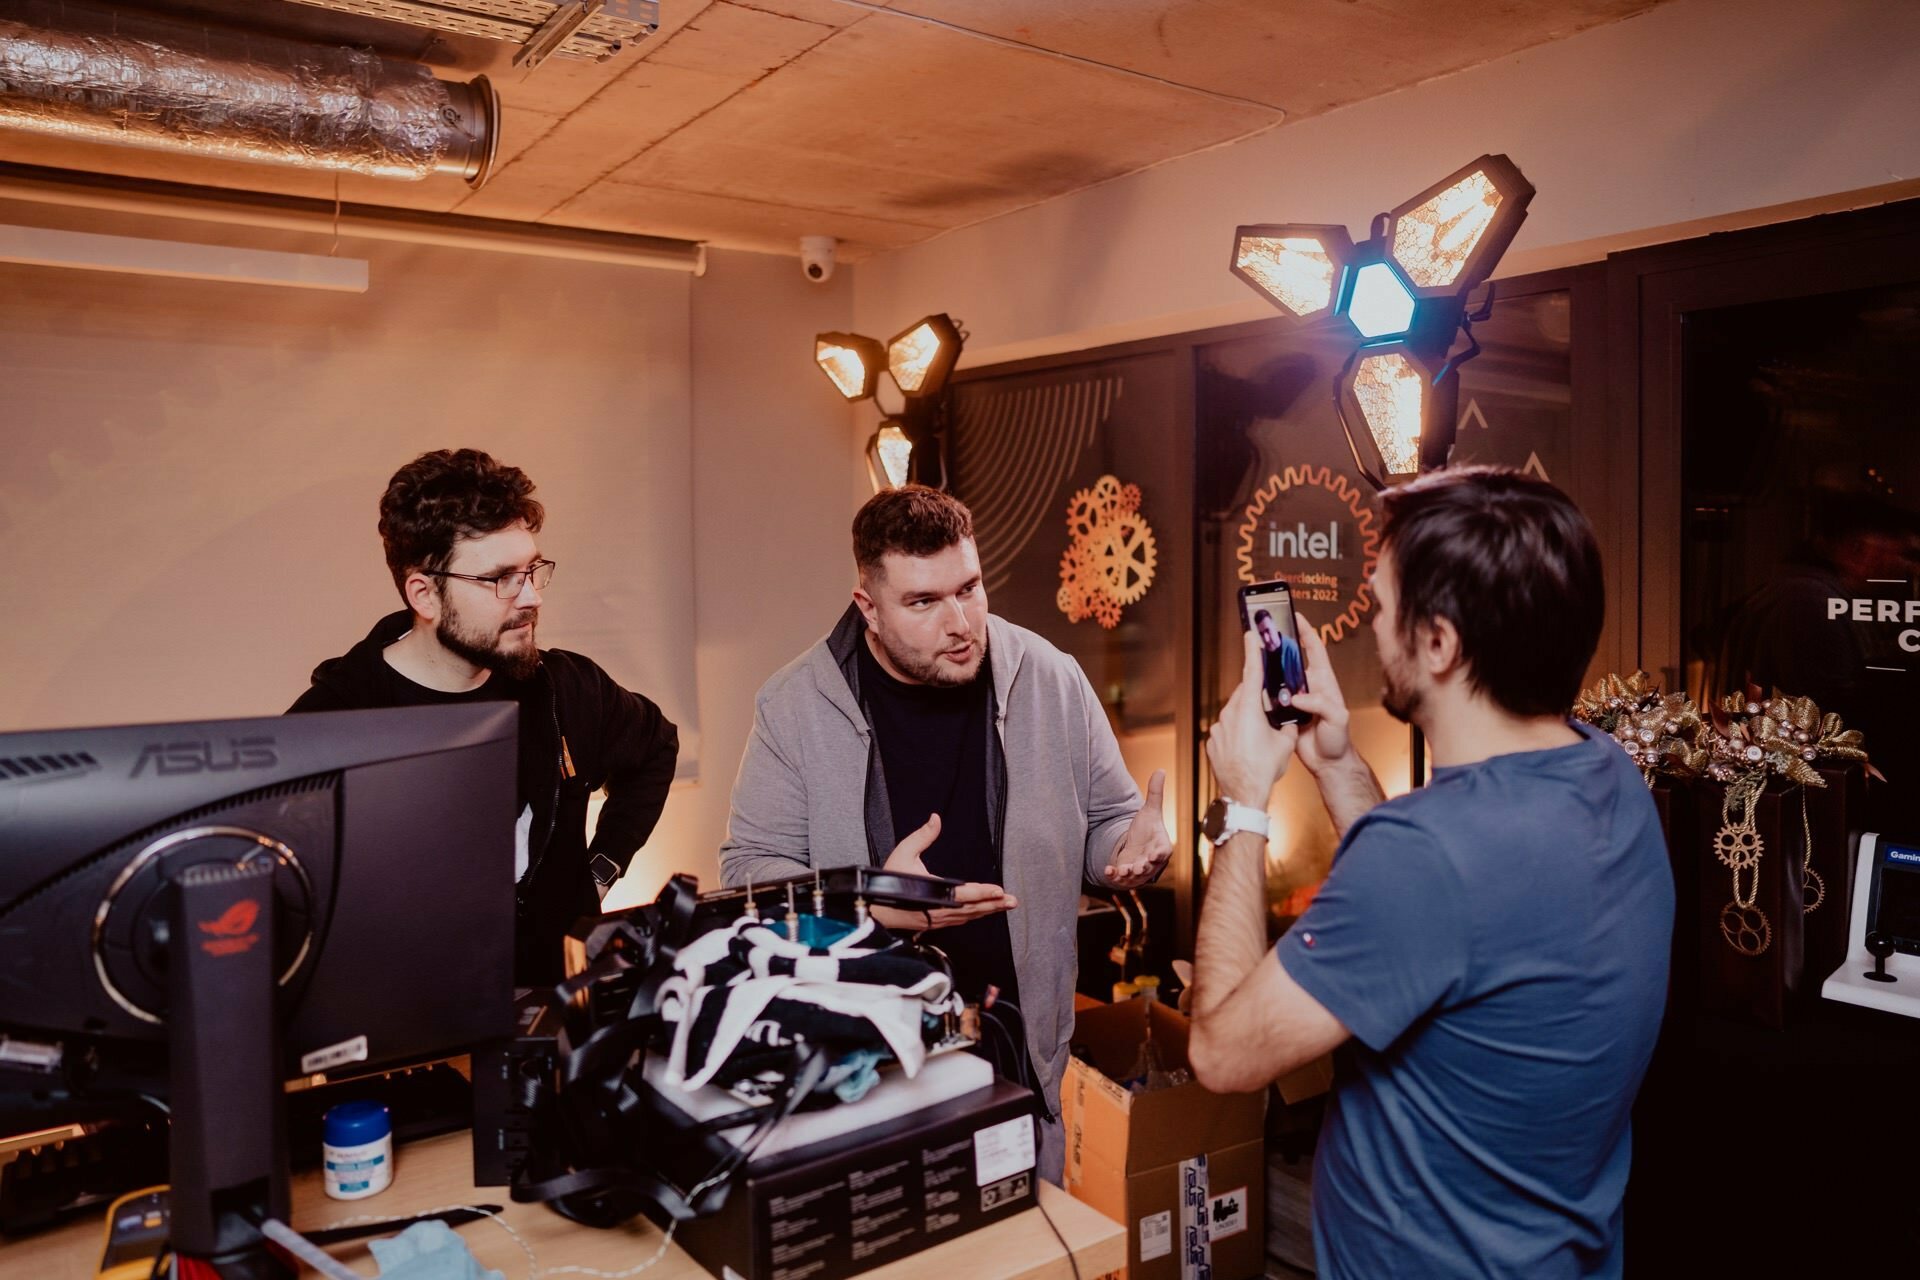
[
  {"x": 1297, "y": 267},
  {"x": 1449, "y": 237},
  {"x": 909, "y": 444},
  {"x": 889, "y": 456},
  {"x": 1390, "y": 390},
  {"x": 1381, "y": 305},
  {"x": 1404, "y": 291},
  {"x": 852, "y": 363},
  {"x": 921, "y": 357}
]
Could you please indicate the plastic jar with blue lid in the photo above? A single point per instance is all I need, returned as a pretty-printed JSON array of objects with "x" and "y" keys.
[{"x": 356, "y": 1150}]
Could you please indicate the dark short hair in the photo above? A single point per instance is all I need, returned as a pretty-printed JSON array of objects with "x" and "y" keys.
[
  {"x": 913, "y": 520},
  {"x": 1514, "y": 566},
  {"x": 444, "y": 496}
]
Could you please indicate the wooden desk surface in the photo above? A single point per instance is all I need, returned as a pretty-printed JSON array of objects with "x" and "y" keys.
[{"x": 438, "y": 1173}]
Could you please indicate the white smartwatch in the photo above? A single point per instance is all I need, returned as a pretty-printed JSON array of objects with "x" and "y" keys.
[{"x": 1226, "y": 818}]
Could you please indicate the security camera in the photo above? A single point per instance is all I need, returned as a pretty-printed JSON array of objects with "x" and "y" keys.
[{"x": 816, "y": 257}]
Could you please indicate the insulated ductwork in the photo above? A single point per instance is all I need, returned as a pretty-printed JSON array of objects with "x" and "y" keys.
[{"x": 85, "y": 72}]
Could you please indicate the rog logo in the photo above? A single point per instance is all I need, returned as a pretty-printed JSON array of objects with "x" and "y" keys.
[
  {"x": 231, "y": 933},
  {"x": 175, "y": 758},
  {"x": 236, "y": 919}
]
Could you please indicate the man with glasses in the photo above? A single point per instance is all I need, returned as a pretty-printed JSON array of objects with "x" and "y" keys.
[{"x": 459, "y": 529}]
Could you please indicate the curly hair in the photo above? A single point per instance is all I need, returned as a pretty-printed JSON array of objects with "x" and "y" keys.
[
  {"x": 444, "y": 496},
  {"x": 913, "y": 520}
]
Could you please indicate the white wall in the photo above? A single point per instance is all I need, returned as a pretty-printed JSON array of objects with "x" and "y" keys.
[
  {"x": 189, "y": 471},
  {"x": 1685, "y": 118},
  {"x": 773, "y": 498}
]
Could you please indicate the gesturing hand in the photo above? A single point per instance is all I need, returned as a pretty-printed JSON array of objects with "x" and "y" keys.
[
  {"x": 1144, "y": 850},
  {"x": 975, "y": 900}
]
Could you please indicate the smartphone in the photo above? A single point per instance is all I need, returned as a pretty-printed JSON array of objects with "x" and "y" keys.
[{"x": 1266, "y": 609}]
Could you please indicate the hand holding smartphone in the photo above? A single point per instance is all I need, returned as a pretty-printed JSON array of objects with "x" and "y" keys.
[{"x": 1266, "y": 608}]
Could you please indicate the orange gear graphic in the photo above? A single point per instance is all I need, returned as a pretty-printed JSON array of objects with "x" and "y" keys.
[
  {"x": 1110, "y": 557},
  {"x": 1356, "y": 503},
  {"x": 1125, "y": 557},
  {"x": 1083, "y": 515},
  {"x": 1080, "y": 583}
]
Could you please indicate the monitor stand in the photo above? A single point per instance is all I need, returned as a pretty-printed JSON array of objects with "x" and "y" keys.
[
  {"x": 1889, "y": 981},
  {"x": 228, "y": 1155}
]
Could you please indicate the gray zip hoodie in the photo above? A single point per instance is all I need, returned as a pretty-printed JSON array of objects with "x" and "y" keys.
[{"x": 811, "y": 793}]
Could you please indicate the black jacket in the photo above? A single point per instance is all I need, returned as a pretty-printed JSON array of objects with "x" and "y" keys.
[{"x": 579, "y": 731}]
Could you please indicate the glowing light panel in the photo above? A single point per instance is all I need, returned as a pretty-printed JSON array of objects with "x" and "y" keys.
[
  {"x": 1434, "y": 239},
  {"x": 1381, "y": 304},
  {"x": 888, "y": 454},
  {"x": 1391, "y": 392},
  {"x": 1296, "y": 272},
  {"x": 921, "y": 358},
  {"x": 846, "y": 368}
]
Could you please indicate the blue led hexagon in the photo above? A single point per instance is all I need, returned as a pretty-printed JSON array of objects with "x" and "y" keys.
[{"x": 1381, "y": 305}]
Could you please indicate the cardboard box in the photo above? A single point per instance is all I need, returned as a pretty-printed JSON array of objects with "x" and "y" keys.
[
  {"x": 1184, "y": 1168},
  {"x": 861, "y": 1200}
]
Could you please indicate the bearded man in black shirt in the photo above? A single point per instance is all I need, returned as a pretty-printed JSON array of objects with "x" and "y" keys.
[{"x": 459, "y": 530}]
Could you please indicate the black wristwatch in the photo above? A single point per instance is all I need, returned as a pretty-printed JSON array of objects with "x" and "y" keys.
[{"x": 605, "y": 870}]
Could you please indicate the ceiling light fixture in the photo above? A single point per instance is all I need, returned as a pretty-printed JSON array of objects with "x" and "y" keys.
[
  {"x": 908, "y": 447},
  {"x": 852, "y": 363},
  {"x": 1402, "y": 295}
]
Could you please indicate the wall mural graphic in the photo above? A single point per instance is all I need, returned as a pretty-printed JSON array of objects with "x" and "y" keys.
[
  {"x": 1015, "y": 447},
  {"x": 1315, "y": 528},
  {"x": 1110, "y": 557}
]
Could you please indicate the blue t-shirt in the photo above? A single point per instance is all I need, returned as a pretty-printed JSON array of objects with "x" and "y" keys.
[{"x": 1497, "y": 943}]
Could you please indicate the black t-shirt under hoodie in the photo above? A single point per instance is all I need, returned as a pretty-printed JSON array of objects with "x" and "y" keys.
[{"x": 933, "y": 750}]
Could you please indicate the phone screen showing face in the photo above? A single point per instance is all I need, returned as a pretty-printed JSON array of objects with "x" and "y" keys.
[{"x": 1266, "y": 609}]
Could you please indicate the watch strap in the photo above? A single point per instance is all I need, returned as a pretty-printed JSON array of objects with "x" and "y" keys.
[
  {"x": 1244, "y": 817},
  {"x": 1227, "y": 817}
]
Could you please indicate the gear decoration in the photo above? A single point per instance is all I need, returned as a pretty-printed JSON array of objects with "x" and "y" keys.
[
  {"x": 1125, "y": 556},
  {"x": 1738, "y": 848},
  {"x": 1080, "y": 583},
  {"x": 1745, "y": 741},
  {"x": 1110, "y": 558},
  {"x": 1357, "y": 504}
]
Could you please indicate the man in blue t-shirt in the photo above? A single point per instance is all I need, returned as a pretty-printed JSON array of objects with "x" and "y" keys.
[{"x": 1489, "y": 953}]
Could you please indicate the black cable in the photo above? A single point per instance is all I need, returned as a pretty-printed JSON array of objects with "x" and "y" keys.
[{"x": 1071, "y": 1260}]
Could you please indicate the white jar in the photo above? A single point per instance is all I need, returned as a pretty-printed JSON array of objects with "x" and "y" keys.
[{"x": 356, "y": 1151}]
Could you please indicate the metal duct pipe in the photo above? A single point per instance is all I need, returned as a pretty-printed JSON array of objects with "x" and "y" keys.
[{"x": 80, "y": 71}]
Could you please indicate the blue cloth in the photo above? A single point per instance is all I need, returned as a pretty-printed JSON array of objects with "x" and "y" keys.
[
  {"x": 1497, "y": 943},
  {"x": 428, "y": 1251}
]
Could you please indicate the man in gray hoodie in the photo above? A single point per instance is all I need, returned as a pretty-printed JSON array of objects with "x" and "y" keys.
[{"x": 924, "y": 735}]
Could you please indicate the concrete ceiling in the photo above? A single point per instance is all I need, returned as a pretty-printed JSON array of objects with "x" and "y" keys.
[{"x": 749, "y": 123}]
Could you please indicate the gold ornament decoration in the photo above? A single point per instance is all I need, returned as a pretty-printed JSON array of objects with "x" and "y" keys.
[
  {"x": 1659, "y": 732},
  {"x": 1738, "y": 846},
  {"x": 1813, "y": 889},
  {"x": 1744, "y": 741},
  {"x": 1111, "y": 556},
  {"x": 1746, "y": 929}
]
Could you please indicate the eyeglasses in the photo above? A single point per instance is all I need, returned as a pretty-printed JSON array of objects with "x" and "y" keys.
[{"x": 505, "y": 585}]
